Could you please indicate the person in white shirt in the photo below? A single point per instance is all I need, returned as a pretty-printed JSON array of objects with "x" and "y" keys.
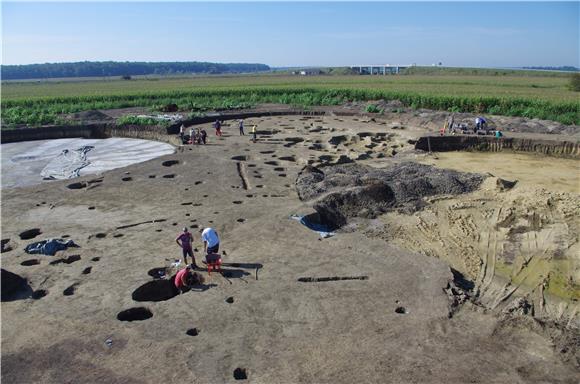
[{"x": 211, "y": 242}]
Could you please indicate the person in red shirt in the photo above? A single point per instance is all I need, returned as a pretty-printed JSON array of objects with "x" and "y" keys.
[
  {"x": 185, "y": 279},
  {"x": 186, "y": 239}
]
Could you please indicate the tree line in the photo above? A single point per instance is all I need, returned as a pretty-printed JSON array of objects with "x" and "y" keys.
[{"x": 114, "y": 68}]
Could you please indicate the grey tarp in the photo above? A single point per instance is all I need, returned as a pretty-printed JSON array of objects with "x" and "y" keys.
[{"x": 68, "y": 164}]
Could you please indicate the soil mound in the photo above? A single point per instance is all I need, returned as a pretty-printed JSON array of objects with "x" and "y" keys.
[
  {"x": 352, "y": 190},
  {"x": 91, "y": 116}
]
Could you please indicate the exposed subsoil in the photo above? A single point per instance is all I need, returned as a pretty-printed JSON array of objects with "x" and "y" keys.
[{"x": 378, "y": 302}]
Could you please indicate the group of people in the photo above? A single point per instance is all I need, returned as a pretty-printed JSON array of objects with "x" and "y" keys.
[
  {"x": 185, "y": 279},
  {"x": 480, "y": 125},
  {"x": 196, "y": 136},
  {"x": 199, "y": 135}
]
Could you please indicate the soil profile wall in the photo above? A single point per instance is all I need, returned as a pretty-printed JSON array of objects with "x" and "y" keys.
[{"x": 567, "y": 149}]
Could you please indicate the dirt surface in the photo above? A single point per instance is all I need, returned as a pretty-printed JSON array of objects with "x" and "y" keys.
[{"x": 375, "y": 303}]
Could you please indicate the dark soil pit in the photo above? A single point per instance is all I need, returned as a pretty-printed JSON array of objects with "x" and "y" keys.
[
  {"x": 5, "y": 247},
  {"x": 127, "y": 178},
  {"x": 170, "y": 163},
  {"x": 192, "y": 332},
  {"x": 252, "y": 165},
  {"x": 67, "y": 260},
  {"x": 282, "y": 174},
  {"x": 258, "y": 176},
  {"x": 156, "y": 290},
  {"x": 30, "y": 234},
  {"x": 157, "y": 273},
  {"x": 198, "y": 182},
  {"x": 279, "y": 169},
  {"x": 77, "y": 186},
  {"x": 14, "y": 287},
  {"x": 241, "y": 220},
  {"x": 135, "y": 314},
  {"x": 237, "y": 202},
  {"x": 230, "y": 300},
  {"x": 152, "y": 176},
  {"x": 91, "y": 208},
  {"x": 194, "y": 225},
  {"x": 28, "y": 263},
  {"x": 400, "y": 310},
  {"x": 240, "y": 374},
  {"x": 174, "y": 224},
  {"x": 87, "y": 270},
  {"x": 272, "y": 162},
  {"x": 158, "y": 230},
  {"x": 189, "y": 203},
  {"x": 101, "y": 235},
  {"x": 259, "y": 186},
  {"x": 65, "y": 236},
  {"x": 70, "y": 290},
  {"x": 241, "y": 158},
  {"x": 39, "y": 294},
  {"x": 95, "y": 259},
  {"x": 118, "y": 235},
  {"x": 170, "y": 176},
  {"x": 249, "y": 195},
  {"x": 187, "y": 215}
]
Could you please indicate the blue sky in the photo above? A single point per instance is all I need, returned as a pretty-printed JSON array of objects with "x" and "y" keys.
[{"x": 492, "y": 34}]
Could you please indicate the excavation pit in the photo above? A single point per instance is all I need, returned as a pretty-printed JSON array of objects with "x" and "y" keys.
[
  {"x": 30, "y": 234},
  {"x": 192, "y": 332},
  {"x": 157, "y": 273},
  {"x": 170, "y": 163},
  {"x": 156, "y": 290},
  {"x": 240, "y": 374},
  {"x": 28, "y": 263},
  {"x": 135, "y": 314}
]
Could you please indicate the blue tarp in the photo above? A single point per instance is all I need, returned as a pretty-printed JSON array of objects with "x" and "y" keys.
[
  {"x": 49, "y": 247},
  {"x": 316, "y": 227}
]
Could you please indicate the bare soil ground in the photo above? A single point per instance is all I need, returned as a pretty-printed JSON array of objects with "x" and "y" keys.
[{"x": 410, "y": 321}]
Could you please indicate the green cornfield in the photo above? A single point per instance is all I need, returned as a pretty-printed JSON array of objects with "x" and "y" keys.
[{"x": 37, "y": 103}]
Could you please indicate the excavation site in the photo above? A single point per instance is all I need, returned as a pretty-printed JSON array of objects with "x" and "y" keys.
[{"x": 355, "y": 248}]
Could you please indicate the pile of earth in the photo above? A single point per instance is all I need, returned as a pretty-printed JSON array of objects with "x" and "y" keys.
[
  {"x": 90, "y": 116},
  {"x": 346, "y": 191}
]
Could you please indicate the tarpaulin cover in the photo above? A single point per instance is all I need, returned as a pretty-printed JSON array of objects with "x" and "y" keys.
[
  {"x": 68, "y": 164},
  {"x": 49, "y": 247}
]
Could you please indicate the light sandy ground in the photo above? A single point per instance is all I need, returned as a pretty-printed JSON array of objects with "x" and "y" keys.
[
  {"x": 278, "y": 329},
  {"x": 22, "y": 162}
]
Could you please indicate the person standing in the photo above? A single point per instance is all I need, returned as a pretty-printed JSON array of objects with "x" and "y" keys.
[
  {"x": 192, "y": 135},
  {"x": 203, "y": 136},
  {"x": 218, "y": 128},
  {"x": 181, "y": 132},
  {"x": 242, "y": 128},
  {"x": 211, "y": 241},
  {"x": 186, "y": 239},
  {"x": 254, "y": 134}
]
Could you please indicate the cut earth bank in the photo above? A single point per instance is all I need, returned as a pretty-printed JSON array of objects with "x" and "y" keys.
[{"x": 411, "y": 320}]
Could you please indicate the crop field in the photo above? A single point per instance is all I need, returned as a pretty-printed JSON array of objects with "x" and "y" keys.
[{"x": 544, "y": 97}]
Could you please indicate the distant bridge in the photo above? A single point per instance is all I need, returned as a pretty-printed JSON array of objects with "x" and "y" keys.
[{"x": 381, "y": 69}]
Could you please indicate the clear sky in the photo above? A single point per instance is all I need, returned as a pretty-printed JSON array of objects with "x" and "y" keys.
[{"x": 492, "y": 34}]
